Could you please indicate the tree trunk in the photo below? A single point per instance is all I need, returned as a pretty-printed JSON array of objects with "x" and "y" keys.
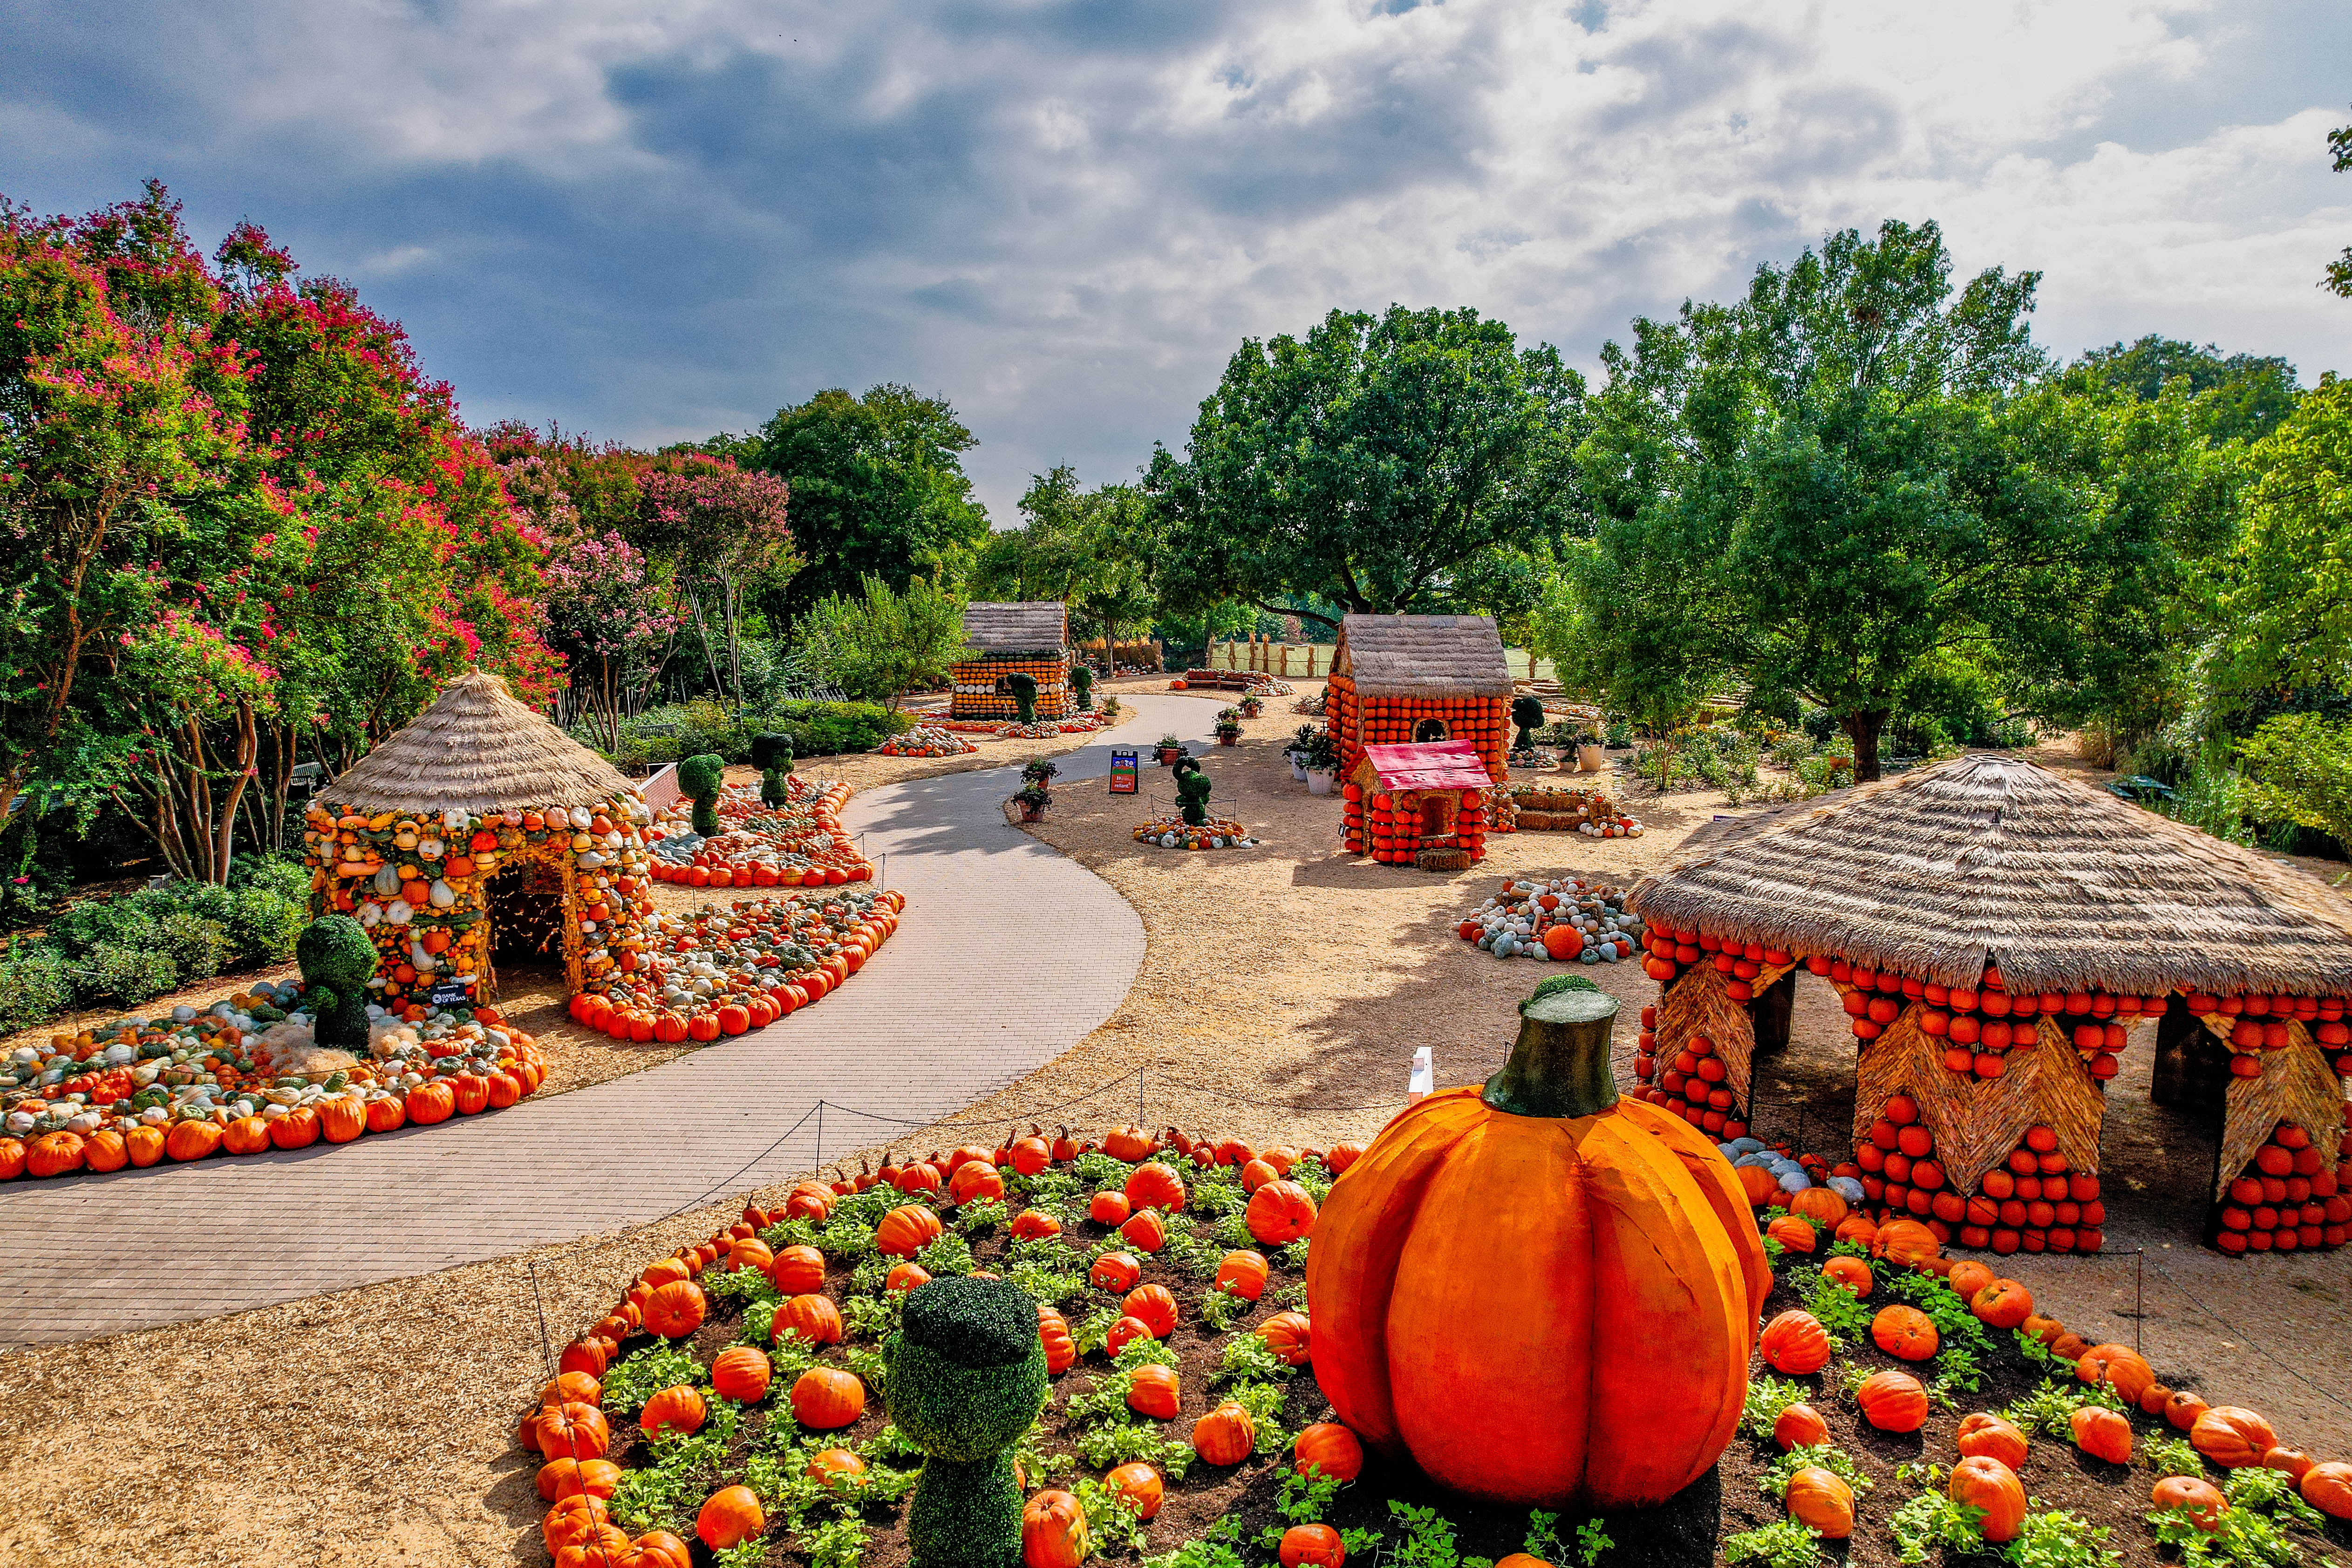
[{"x": 1861, "y": 727}]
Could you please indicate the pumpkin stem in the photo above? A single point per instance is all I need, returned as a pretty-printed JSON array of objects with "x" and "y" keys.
[{"x": 1559, "y": 1068}]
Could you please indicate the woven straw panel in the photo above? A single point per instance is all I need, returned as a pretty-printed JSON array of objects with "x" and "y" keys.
[
  {"x": 1698, "y": 1004},
  {"x": 1977, "y": 1123},
  {"x": 2298, "y": 1085}
]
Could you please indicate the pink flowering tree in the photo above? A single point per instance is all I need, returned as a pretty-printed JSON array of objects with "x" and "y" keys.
[
  {"x": 605, "y": 616},
  {"x": 724, "y": 529}
]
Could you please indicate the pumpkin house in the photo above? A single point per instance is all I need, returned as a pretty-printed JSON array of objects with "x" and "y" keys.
[
  {"x": 1403, "y": 679},
  {"x": 1002, "y": 640},
  {"x": 1999, "y": 936},
  {"x": 482, "y": 832},
  {"x": 1421, "y": 805}
]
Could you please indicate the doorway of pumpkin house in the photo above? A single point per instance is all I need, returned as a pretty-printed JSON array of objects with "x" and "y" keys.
[
  {"x": 1430, "y": 730},
  {"x": 526, "y": 915}
]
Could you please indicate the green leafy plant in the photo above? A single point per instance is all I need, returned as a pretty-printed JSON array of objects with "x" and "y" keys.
[
  {"x": 1783, "y": 1544},
  {"x": 641, "y": 1374},
  {"x": 1767, "y": 1397},
  {"x": 1774, "y": 1482},
  {"x": 2171, "y": 1457},
  {"x": 2050, "y": 1409},
  {"x": 2057, "y": 1539},
  {"x": 1932, "y": 1521},
  {"x": 1428, "y": 1540}
]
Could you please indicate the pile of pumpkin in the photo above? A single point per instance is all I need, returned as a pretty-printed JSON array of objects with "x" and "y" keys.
[
  {"x": 2285, "y": 1200},
  {"x": 419, "y": 883},
  {"x": 1175, "y": 833},
  {"x": 1691, "y": 1083},
  {"x": 926, "y": 740},
  {"x": 801, "y": 1283},
  {"x": 798, "y": 844},
  {"x": 2032, "y": 1201},
  {"x": 1565, "y": 918},
  {"x": 1991, "y": 1448},
  {"x": 724, "y": 972},
  {"x": 2263, "y": 1025},
  {"x": 136, "y": 1092},
  {"x": 1548, "y": 808}
]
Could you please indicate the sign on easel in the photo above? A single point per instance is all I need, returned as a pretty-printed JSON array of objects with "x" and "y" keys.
[{"x": 1122, "y": 773}]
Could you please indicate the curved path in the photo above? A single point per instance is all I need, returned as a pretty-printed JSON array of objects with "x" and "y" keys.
[{"x": 1008, "y": 955}]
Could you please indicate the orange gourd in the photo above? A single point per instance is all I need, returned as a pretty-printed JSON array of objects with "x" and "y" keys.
[
  {"x": 1054, "y": 1531},
  {"x": 1905, "y": 1333},
  {"x": 2231, "y": 1438},
  {"x": 1153, "y": 1307},
  {"x": 1984, "y": 1436},
  {"x": 1967, "y": 1279},
  {"x": 674, "y": 1309},
  {"x": 1794, "y": 1343},
  {"x": 1329, "y": 1448},
  {"x": 1824, "y": 1207},
  {"x": 1114, "y": 1271},
  {"x": 906, "y": 1230},
  {"x": 814, "y": 1318},
  {"x": 1224, "y": 1436},
  {"x": 730, "y": 1517},
  {"x": 2329, "y": 1487},
  {"x": 2003, "y": 1304},
  {"x": 1138, "y": 1485},
  {"x": 2102, "y": 1433},
  {"x": 1792, "y": 1233},
  {"x": 1905, "y": 1242},
  {"x": 2120, "y": 1367},
  {"x": 1242, "y": 1274},
  {"x": 1146, "y": 1232},
  {"x": 2182, "y": 1409},
  {"x": 1054, "y": 1333},
  {"x": 826, "y": 1397},
  {"x": 741, "y": 1372},
  {"x": 1986, "y": 1483},
  {"x": 1155, "y": 1186},
  {"x": 1851, "y": 1272},
  {"x": 1799, "y": 1427},
  {"x": 1891, "y": 1401},
  {"x": 1819, "y": 1500},
  {"x": 2198, "y": 1498},
  {"x": 1634, "y": 1245},
  {"x": 797, "y": 1271},
  {"x": 571, "y": 1431},
  {"x": 678, "y": 1411},
  {"x": 1310, "y": 1546},
  {"x": 1154, "y": 1391},
  {"x": 1107, "y": 1208},
  {"x": 1280, "y": 1213}
]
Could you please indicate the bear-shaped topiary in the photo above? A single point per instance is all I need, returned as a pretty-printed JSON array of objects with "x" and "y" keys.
[
  {"x": 772, "y": 756},
  {"x": 1192, "y": 790},
  {"x": 1082, "y": 684},
  {"x": 965, "y": 1376},
  {"x": 701, "y": 777},
  {"x": 338, "y": 958},
  {"x": 1025, "y": 695},
  {"x": 1527, "y": 714}
]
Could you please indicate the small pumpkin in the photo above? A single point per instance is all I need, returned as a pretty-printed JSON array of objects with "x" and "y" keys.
[
  {"x": 2101, "y": 1433},
  {"x": 741, "y": 1372},
  {"x": 1799, "y": 1427},
  {"x": 1054, "y": 1333},
  {"x": 904, "y": 1276},
  {"x": 2003, "y": 1304},
  {"x": 1225, "y": 1434},
  {"x": 1154, "y": 1307},
  {"x": 674, "y": 1309},
  {"x": 1155, "y": 1186},
  {"x": 2183, "y": 1408},
  {"x": 572, "y": 1432},
  {"x": 1819, "y": 1500},
  {"x": 1981, "y": 1481},
  {"x": 1146, "y": 1232},
  {"x": 1822, "y": 1205},
  {"x": 1123, "y": 1333},
  {"x": 1967, "y": 1279},
  {"x": 827, "y": 1398},
  {"x": 1310, "y": 1546},
  {"x": 1243, "y": 1274},
  {"x": 1114, "y": 1271},
  {"x": 1054, "y": 1531},
  {"x": 1792, "y": 1233},
  {"x": 1905, "y": 1242},
  {"x": 677, "y": 1411},
  {"x": 797, "y": 1271},
  {"x": 906, "y": 1230},
  {"x": 1795, "y": 1343},
  {"x": 1154, "y": 1391},
  {"x": 1905, "y": 1333},
  {"x": 1891, "y": 1401},
  {"x": 1109, "y": 1208},
  {"x": 1984, "y": 1436},
  {"x": 1287, "y": 1335},
  {"x": 814, "y": 1318},
  {"x": 730, "y": 1517},
  {"x": 833, "y": 1467},
  {"x": 2231, "y": 1438},
  {"x": 2292, "y": 1461},
  {"x": 1851, "y": 1272},
  {"x": 2196, "y": 1495},
  {"x": 1330, "y": 1447},
  {"x": 1280, "y": 1213},
  {"x": 2120, "y": 1367},
  {"x": 2327, "y": 1486},
  {"x": 1138, "y": 1485}
]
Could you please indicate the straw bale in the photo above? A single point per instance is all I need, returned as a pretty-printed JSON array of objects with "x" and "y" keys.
[
  {"x": 1699, "y": 1005},
  {"x": 478, "y": 750},
  {"x": 2297, "y": 1085},
  {"x": 1977, "y": 1123},
  {"x": 1991, "y": 859},
  {"x": 1423, "y": 655}
]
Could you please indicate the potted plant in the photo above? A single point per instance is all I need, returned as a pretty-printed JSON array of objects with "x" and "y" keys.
[
  {"x": 1170, "y": 748},
  {"x": 1229, "y": 726},
  {"x": 1589, "y": 754},
  {"x": 1040, "y": 772},
  {"x": 1322, "y": 763},
  {"x": 1253, "y": 705},
  {"x": 1033, "y": 799},
  {"x": 1302, "y": 742}
]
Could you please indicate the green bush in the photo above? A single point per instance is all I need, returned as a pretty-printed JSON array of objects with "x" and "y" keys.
[
  {"x": 111, "y": 972},
  {"x": 34, "y": 985},
  {"x": 199, "y": 948},
  {"x": 836, "y": 729},
  {"x": 287, "y": 879},
  {"x": 266, "y": 924},
  {"x": 815, "y": 729}
]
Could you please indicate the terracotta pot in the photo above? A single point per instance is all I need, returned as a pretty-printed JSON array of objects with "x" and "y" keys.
[
  {"x": 1168, "y": 755},
  {"x": 1229, "y": 737},
  {"x": 1032, "y": 812}
]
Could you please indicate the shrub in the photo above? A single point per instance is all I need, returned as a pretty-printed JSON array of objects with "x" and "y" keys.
[
  {"x": 199, "y": 948},
  {"x": 287, "y": 879},
  {"x": 34, "y": 985},
  {"x": 114, "y": 971},
  {"x": 266, "y": 924}
]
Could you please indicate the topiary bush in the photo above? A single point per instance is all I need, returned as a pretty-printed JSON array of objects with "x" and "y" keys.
[
  {"x": 772, "y": 756},
  {"x": 966, "y": 1376},
  {"x": 34, "y": 985},
  {"x": 1192, "y": 789},
  {"x": 701, "y": 777},
  {"x": 1082, "y": 685},
  {"x": 1527, "y": 713},
  {"x": 337, "y": 959},
  {"x": 1025, "y": 695}
]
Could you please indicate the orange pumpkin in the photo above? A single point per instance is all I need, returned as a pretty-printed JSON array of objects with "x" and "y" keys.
[
  {"x": 1242, "y": 1274},
  {"x": 567, "y": 1478},
  {"x": 1054, "y": 1531},
  {"x": 186, "y": 1141},
  {"x": 1984, "y": 1436},
  {"x": 1905, "y": 1333},
  {"x": 906, "y": 1230},
  {"x": 1967, "y": 1279},
  {"x": 2102, "y": 1433},
  {"x": 827, "y": 1398},
  {"x": 750, "y": 1252},
  {"x": 1129, "y": 1145},
  {"x": 246, "y": 1135},
  {"x": 677, "y": 1411},
  {"x": 1153, "y": 1307},
  {"x": 1820, "y": 1205},
  {"x": 1411, "y": 1250},
  {"x": 2329, "y": 1487},
  {"x": 2183, "y": 1408},
  {"x": 1138, "y": 1485},
  {"x": 1891, "y": 1401},
  {"x": 1310, "y": 1546},
  {"x": 1981, "y": 1482},
  {"x": 2198, "y": 1498},
  {"x": 674, "y": 1309},
  {"x": 797, "y": 1271},
  {"x": 1109, "y": 1208},
  {"x": 2003, "y": 1304},
  {"x": 1146, "y": 1232},
  {"x": 1851, "y": 1272},
  {"x": 1054, "y": 1333},
  {"x": 1287, "y": 1335},
  {"x": 814, "y": 1318},
  {"x": 1795, "y": 1343},
  {"x": 1799, "y": 1427},
  {"x": 1758, "y": 1185},
  {"x": 904, "y": 1276},
  {"x": 2293, "y": 1461},
  {"x": 2231, "y": 1438},
  {"x": 1280, "y": 1213},
  {"x": 572, "y": 1431},
  {"x": 741, "y": 1372},
  {"x": 1225, "y": 1434},
  {"x": 1153, "y": 1391},
  {"x": 1330, "y": 1447},
  {"x": 1155, "y": 1186},
  {"x": 1819, "y": 1500},
  {"x": 2120, "y": 1367},
  {"x": 1029, "y": 1225},
  {"x": 831, "y": 1467},
  {"x": 342, "y": 1119},
  {"x": 1905, "y": 1242},
  {"x": 730, "y": 1517},
  {"x": 1792, "y": 1233}
]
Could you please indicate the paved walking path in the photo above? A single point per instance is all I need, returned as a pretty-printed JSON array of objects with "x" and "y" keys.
[{"x": 1008, "y": 955}]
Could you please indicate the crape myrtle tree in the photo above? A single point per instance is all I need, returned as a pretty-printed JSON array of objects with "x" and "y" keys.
[
  {"x": 1383, "y": 463},
  {"x": 1839, "y": 482}
]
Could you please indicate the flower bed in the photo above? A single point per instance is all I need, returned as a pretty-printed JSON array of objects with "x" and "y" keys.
[
  {"x": 1174, "y": 832},
  {"x": 1898, "y": 1401},
  {"x": 1564, "y": 919},
  {"x": 801, "y": 842},
  {"x": 724, "y": 972},
  {"x": 926, "y": 740},
  {"x": 241, "y": 1076}
]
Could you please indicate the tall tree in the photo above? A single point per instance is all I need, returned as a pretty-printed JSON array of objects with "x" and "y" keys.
[
  {"x": 2239, "y": 397},
  {"x": 2338, "y": 280},
  {"x": 1096, "y": 551},
  {"x": 1378, "y": 463},
  {"x": 878, "y": 490}
]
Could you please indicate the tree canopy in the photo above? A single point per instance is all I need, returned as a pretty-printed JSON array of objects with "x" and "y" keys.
[{"x": 1096, "y": 551}]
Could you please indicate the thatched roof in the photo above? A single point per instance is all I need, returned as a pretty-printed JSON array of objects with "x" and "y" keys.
[
  {"x": 1988, "y": 859},
  {"x": 1037, "y": 626},
  {"x": 477, "y": 749},
  {"x": 1423, "y": 655}
]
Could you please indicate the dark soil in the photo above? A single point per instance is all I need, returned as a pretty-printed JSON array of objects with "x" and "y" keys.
[{"x": 1686, "y": 1530}]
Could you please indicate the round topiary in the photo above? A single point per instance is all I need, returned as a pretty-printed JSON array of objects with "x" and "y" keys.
[
  {"x": 338, "y": 958},
  {"x": 965, "y": 1377},
  {"x": 702, "y": 776}
]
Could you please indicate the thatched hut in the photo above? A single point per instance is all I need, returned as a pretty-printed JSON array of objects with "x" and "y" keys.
[
  {"x": 1997, "y": 933},
  {"x": 1397, "y": 679},
  {"x": 1002, "y": 640},
  {"x": 482, "y": 832}
]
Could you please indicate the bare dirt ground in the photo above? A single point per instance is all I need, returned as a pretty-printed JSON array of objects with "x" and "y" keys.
[{"x": 1283, "y": 993}]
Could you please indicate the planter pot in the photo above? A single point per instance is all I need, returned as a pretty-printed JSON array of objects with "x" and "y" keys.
[
  {"x": 1298, "y": 771},
  {"x": 1589, "y": 759},
  {"x": 1318, "y": 781},
  {"x": 1229, "y": 737},
  {"x": 1032, "y": 812},
  {"x": 1168, "y": 755}
]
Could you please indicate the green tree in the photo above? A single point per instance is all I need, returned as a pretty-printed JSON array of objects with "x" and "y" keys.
[
  {"x": 878, "y": 490},
  {"x": 2282, "y": 603},
  {"x": 2239, "y": 397},
  {"x": 1379, "y": 464},
  {"x": 881, "y": 644},
  {"x": 2338, "y": 280},
  {"x": 2300, "y": 769},
  {"x": 1095, "y": 550}
]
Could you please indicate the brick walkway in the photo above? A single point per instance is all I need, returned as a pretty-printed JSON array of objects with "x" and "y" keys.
[{"x": 1008, "y": 955}]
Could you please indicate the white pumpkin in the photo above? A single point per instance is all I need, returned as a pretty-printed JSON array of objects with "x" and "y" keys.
[{"x": 442, "y": 894}]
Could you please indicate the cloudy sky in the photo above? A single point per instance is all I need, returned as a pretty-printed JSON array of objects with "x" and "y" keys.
[{"x": 650, "y": 219}]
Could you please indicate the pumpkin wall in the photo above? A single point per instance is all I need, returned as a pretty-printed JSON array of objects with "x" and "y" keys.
[
  {"x": 975, "y": 695},
  {"x": 1978, "y": 1110},
  {"x": 419, "y": 882},
  {"x": 1355, "y": 720}
]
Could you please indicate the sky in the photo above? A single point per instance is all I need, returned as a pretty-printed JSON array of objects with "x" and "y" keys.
[{"x": 651, "y": 220}]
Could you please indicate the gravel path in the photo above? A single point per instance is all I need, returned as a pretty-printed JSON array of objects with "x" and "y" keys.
[{"x": 954, "y": 1007}]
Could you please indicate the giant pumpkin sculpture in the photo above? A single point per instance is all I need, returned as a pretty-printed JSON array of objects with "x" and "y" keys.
[{"x": 1542, "y": 1294}]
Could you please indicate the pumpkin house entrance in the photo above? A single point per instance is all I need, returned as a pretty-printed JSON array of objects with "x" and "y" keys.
[
  {"x": 526, "y": 914},
  {"x": 1997, "y": 936},
  {"x": 1430, "y": 730}
]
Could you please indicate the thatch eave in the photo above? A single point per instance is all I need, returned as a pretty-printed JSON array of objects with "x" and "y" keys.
[{"x": 478, "y": 750}]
